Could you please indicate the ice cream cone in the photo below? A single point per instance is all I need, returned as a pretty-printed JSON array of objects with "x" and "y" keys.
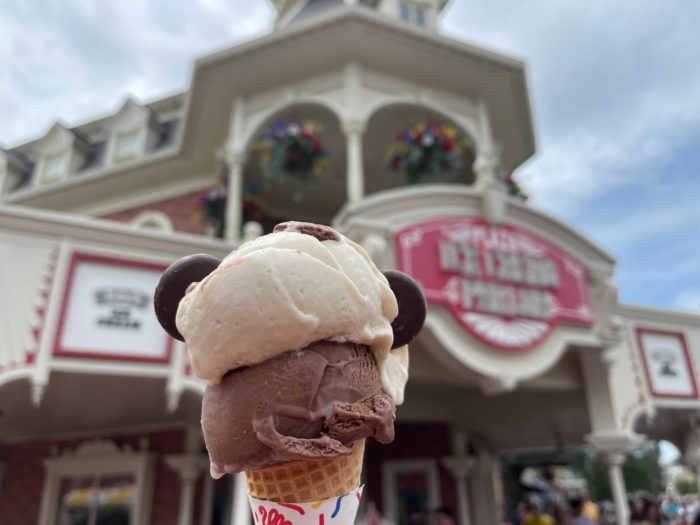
[{"x": 305, "y": 481}]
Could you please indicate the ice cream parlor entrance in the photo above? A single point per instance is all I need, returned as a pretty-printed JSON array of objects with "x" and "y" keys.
[{"x": 525, "y": 348}]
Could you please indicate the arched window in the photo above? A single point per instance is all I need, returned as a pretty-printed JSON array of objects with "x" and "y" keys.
[{"x": 154, "y": 220}]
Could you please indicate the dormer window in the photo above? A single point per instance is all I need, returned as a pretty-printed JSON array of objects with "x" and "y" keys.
[
  {"x": 127, "y": 145},
  {"x": 54, "y": 167},
  {"x": 419, "y": 15},
  {"x": 412, "y": 13},
  {"x": 405, "y": 12}
]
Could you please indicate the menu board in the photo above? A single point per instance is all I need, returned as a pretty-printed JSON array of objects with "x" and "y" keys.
[{"x": 108, "y": 311}]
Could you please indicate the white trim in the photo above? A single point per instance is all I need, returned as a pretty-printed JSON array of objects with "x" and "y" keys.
[
  {"x": 390, "y": 469},
  {"x": 662, "y": 318},
  {"x": 99, "y": 232},
  {"x": 144, "y": 198},
  {"x": 40, "y": 377},
  {"x": 153, "y": 220},
  {"x": 92, "y": 366},
  {"x": 93, "y": 175},
  {"x": 98, "y": 458}
]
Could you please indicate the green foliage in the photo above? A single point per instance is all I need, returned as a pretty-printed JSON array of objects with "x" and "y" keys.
[
  {"x": 587, "y": 463},
  {"x": 686, "y": 485},
  {"x": 641, "y": 471}
]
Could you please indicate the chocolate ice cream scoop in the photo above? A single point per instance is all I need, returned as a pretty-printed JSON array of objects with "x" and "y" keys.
[{"x": 304, "y": 404}]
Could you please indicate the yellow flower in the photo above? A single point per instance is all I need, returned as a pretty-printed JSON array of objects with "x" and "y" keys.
[{"x": 450, "y": 132}]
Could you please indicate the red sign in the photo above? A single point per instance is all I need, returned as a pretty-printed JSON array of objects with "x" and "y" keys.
[{"x": 506, "y": 286}]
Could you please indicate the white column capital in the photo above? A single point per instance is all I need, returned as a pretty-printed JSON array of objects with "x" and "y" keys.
[
  {"x": 37, "y": 391},
  {"x": 354, "y": 126},
  {"x": 458, "y": 466},
  {"x": 234, "y": 158},
  {"x": 188, "y": 466},
  {"x": 614, "y": 442},
  {"x": 486, "y": 168},
  {"x": 231, "y": 156},
  {"x": 614, "y": 459}
]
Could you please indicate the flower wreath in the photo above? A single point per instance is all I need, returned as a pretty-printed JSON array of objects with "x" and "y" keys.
[
  {"x": 293, "y": 149},
  {"x": 428, "y": 150}
]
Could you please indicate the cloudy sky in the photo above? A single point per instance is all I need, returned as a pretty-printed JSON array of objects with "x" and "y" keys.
[{"x": 615, "y": 89}]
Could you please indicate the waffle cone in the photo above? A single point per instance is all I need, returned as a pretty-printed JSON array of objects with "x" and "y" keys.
[{"x": 312, "y": 480}]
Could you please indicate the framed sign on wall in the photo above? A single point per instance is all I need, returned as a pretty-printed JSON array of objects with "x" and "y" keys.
[
  {"x": 107, "y": 311},
  {"x": 667, "y": 363}
]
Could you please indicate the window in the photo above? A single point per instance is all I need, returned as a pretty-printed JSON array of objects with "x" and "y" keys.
[
  {"x": 410, "y": 488},
  {"x": 99, "y": 484},
  {"x": 96, "y": 500},
  {"x": 405, "y": 12},
  {"x": 412, "y": 13},
  {"x": 54, "y": 167},
  {"x": 420, "y": 16},
  {"x": 154, "y": 220},
  {"x": 126, "y": 145}
]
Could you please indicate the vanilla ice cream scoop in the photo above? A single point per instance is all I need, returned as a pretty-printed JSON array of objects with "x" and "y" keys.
[{"x": 301, "y": 284}]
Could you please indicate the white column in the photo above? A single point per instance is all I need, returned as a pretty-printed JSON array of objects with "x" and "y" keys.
[
  {"x": 207, "y": 500},
  {"x": 354, "y": 130},
  {"x": 189, "y": 467},
  {"x": 614, "y": 461},
  {"x": 482, "y": 491},
  {"x": 240, "y": 513},
  {"x": 460, "y": 466},
  {"x": 235, "y": 163}
]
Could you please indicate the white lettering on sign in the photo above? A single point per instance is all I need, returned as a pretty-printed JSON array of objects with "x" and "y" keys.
[
  {"x": 499, "y": 279},
  {"x": 492, "y": 298},
  {"x": 504, "y": 284}
]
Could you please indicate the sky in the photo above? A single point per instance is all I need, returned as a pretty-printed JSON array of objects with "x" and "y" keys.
[{"x": 614, "y": 86}]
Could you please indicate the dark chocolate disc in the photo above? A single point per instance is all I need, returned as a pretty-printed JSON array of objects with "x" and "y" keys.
[
  {"x": 173, "y": 285},
  {"x": 412, "y": 308},
  {"x": 320, "y": 231}
]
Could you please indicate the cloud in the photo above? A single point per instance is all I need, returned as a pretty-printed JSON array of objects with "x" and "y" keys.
[
  {"x": 614, "y": 86},
  {"x": 76, "y": 60}
]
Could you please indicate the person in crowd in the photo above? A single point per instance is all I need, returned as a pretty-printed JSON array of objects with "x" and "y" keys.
[
  {"x": 577, "y": 517},
  {"x": 643, "y": 512},
  {"x": 537, "y": 514},
  {"x": 444, "y": 516},
  {"x": 590, "y": 509},
  {"x": 607, "y": 514}
]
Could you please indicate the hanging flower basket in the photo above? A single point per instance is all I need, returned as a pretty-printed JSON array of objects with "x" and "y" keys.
[
  {"x": 428, "y": 151},
  {"x": 514, "y": 189},
  {"x": 293, "y": 150},
  {"x": 213, "y": 208}
]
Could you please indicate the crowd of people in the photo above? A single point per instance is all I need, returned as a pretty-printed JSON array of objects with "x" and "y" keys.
[{"x": 579, "y": 510}]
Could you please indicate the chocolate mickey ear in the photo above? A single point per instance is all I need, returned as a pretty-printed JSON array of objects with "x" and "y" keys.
[
  {"x": 412, "y": 307},
  {"x": 173, "y": 285}
]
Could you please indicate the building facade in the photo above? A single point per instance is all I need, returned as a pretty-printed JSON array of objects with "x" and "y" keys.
[{"x": 355, "y": 114}]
